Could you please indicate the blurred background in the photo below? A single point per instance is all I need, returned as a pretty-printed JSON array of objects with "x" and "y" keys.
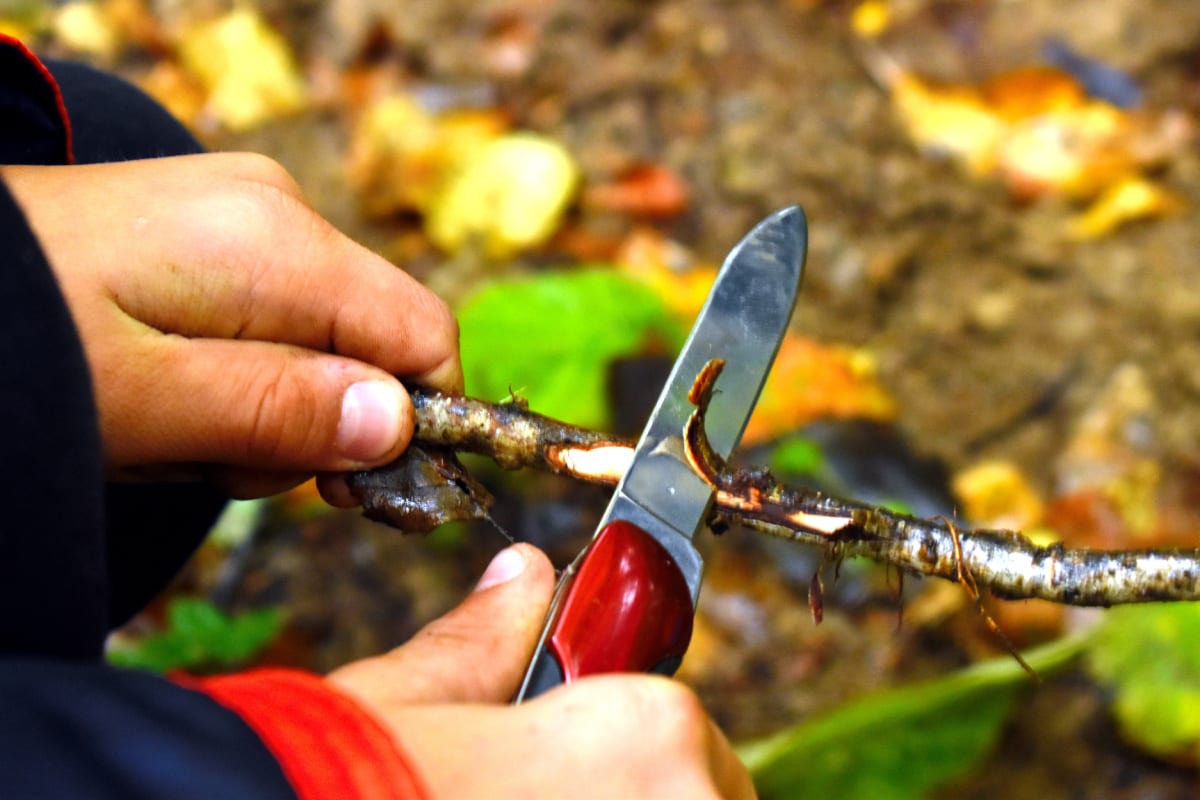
[{"x": 1000, "y": 320}]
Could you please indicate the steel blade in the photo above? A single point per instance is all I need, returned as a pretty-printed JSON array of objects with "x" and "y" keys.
[{"x": 743, "y": 321}]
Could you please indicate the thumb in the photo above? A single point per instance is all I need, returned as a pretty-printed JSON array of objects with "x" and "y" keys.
[
  {"x": 477, "y": 653},
  {"x": 258, "y": 405}
]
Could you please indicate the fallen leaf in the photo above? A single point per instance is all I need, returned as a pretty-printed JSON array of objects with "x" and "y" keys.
[
  {"x": 85, "y": 27},
  {"x": 1026, "y": 92},
  {"x": 24, "y": 20},
  {"x": 1110, "y": 451},
  {"x": 650, "y": 191},
  {"x": 669, "y": 268},
  {"x": 995, "y": 494},
  {"x": 505, "y": 197},
  {"x": 898, "y": 744},
  {"x": 510, "y": 46},
  {"x": 1087, "y": 518},
  {"x": 176, "y": 90},
  {"x": 245, "y": 66},
  {"x": 1150, "y": 658},
  {"x": 553, "y": 336},
  {"x": 812, "y": 381},
  {"x": 797, "y": 456},
  {"x": 949, "y": 122},
  {"x": 1037, "y": 129},
  {"x": 1130, "y": 199},
  {"x": 871, "y": 18},
  {"x": 401, "y": 155},
  {"x": 1076, "y": 151},
  {"x": 137, "y": 25}
]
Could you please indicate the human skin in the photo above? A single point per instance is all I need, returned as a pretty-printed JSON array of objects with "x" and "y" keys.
[
  {"x": 225, "y": 322},
  {"x": 234, "y": 334},
  {"x": 444, "y": 696}
]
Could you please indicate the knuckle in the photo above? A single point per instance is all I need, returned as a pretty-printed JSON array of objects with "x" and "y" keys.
[
  {"x": 655, "y": 722},
  {"x": 230, "y": 218},
  {"x": 661, "y": 704},
  {"x": 438, "y": 345},
  {"x": 681, "y": 710},
  {"x": 261, "y": 169},
  {"x": 445, "y": 327},
  {"x": 261, "y": 195}
]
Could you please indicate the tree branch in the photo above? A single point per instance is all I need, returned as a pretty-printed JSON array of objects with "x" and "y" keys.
[{"x": 1006, "y": 562}]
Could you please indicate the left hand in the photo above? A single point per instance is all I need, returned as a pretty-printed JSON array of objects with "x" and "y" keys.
[{"x": 230, "y": 329}]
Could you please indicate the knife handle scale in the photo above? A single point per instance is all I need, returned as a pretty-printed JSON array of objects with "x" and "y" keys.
[{"x": 627, "y": 609}]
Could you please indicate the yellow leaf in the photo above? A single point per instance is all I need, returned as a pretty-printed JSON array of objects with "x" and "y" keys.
[
  {"x": 15, "y": 29},
  {"x": 24, "y": 20},
  {"x": 508, "y": 196},
  {"x": 871, "y": 18},
  {"x": 996, "y": 494},
  {"x": 1036, "y": 128},
  {"x": 1027, "y": 92},
  {"x": 811, "y": 381},
  {"x": 1077, "y": 151},
  {"x": 84, "y": 27},
  {"x": 949, "y": 121},
  {"x": 1129, "y": 200},
  {"x": 175, "y": 90},
  {"x": 245, "y": 66},
  {"x": 401, "y": 155}
]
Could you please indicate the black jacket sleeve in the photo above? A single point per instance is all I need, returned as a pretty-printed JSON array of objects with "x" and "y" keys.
[
  {"x": 70, "y": 726},
  {"x": 77, "y": 557},
  {"x": 82, "y": 731},
  {"x": 126, "y": 541},
  {"x": 53, "y": 576}
]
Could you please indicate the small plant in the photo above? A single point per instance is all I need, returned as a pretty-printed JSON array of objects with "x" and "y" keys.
[{"x": 199, "y": 637}]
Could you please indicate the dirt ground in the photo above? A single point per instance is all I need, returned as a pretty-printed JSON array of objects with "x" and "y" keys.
[
  {"x": 974, "y": 305},
  {"x": 993, "y": 333}
]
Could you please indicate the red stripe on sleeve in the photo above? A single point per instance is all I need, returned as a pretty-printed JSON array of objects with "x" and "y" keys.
[
  {"x": 327, "y": 745},
  {"x": 51, "y": 85}
]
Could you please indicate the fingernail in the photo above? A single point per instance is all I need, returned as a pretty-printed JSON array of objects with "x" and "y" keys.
[
  {"x": 507, "y": 564},
  {"x": 370, "y": 419}
]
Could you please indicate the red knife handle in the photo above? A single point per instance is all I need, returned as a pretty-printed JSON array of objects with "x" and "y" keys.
[{"x": 627, "y": 608}]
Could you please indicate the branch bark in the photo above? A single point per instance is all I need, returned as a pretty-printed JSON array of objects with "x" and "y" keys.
[{"x": 1006, "y": 562}]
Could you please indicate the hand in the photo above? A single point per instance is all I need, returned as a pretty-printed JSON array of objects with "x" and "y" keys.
[
  {"x": 227, "y": 324},
  {"x": 443, "y": 697}
]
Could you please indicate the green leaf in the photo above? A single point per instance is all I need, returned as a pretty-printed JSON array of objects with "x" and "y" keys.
[
  {"x": 898, "y": 507},
  {"x": 555, "y": 333},
  {"x": 901, "y": 743},
  {"x": 797, "y": 456},
  {"x": 1150, "y": 657},
  {"x": 200, "y": 636}
]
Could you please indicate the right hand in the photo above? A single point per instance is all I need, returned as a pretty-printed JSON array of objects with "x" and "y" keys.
[{"x": 443, "y": 698}]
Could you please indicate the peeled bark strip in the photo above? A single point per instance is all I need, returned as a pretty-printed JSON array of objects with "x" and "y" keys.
[{"x": 1007, "y": 563}]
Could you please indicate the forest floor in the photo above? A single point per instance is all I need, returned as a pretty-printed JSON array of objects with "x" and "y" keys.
[{"x": 997, "y": 335}]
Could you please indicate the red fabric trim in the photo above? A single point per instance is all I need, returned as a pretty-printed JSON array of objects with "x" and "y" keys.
[
  {"x": 328, "y": 746},
  {"x": 51, "y": 84}
]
